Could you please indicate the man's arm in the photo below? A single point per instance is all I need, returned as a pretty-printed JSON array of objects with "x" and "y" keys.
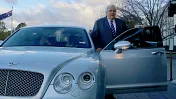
[{"x": 96, "y": 38}]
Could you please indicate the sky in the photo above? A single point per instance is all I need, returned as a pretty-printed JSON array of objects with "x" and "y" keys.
[{"x": 55, "y": 12}]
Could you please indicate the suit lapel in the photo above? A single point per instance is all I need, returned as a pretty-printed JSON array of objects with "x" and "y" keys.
[
  {"x": 107, "y": 24},
  {"x": 108, "y": 27},
  {"x": 117, "y": 27}
]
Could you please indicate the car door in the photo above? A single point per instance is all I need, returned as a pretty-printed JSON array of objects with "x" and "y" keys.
[{"x": 140, "y": 68}]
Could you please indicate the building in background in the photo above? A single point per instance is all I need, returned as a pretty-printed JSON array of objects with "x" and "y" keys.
[{"x": 168, "y": 30}]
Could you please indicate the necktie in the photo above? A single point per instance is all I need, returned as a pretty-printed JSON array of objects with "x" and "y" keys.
[{"x": 113, "y": 29}]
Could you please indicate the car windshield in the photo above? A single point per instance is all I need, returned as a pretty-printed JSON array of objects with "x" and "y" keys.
[{"x": 49, "y": 36}]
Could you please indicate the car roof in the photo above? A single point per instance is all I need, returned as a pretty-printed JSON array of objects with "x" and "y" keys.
[{"x": 81, "y": 27}]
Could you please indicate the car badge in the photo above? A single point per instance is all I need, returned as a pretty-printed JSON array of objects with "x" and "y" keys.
[{"x": 12, "y": 63}]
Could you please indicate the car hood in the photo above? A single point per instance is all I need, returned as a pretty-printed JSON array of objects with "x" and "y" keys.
[
  {"x": 45, "y": 60},
  {"x": 39, "y": 59}
]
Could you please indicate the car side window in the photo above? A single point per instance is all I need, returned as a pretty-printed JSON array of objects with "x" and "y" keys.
[
  {"x": 152, "y": 36},
  {"x": 125, "y": 35},
  {"x": 149, "y": 37}
]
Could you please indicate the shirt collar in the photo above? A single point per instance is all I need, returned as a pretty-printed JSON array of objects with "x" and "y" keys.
[{"x": 110, "y": 20}]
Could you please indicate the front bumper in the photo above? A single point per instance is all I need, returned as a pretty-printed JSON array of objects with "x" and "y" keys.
[
  {"x": 75, "y": 93},
  {"x": 94, "y": 92}
]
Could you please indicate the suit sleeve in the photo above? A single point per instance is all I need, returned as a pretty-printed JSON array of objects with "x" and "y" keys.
[{"x": 96, "y": 38}]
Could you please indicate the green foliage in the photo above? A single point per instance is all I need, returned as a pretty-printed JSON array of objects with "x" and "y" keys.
[
  {"x": 20, "y": 26},
  {"x": 4, "y": 32},
  {"x": 2, "y": 26},
  {"x": 4, "y": 35}
]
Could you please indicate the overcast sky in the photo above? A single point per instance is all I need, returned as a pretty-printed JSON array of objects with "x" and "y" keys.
[{"x": 62, "y": 12}]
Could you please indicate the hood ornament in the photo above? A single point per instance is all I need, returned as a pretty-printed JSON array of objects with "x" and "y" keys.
[{"x": 12, "y": 63}]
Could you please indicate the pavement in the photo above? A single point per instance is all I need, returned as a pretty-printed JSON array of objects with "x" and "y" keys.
[{"x": 169, "y": 94}]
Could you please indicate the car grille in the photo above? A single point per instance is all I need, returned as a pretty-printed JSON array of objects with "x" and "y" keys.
[{"x": 20, "y": 83}]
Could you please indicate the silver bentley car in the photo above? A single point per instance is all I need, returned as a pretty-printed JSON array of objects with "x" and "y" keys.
[{"x": 60, "y": 62}]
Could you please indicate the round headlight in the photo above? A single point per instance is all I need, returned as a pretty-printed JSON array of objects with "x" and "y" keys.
[
  {"x": 86, "y": 81},
  {"x": 66, "y": 79},
  {"x": 86, "y": 78},
  {"x": 63, "y": 83}
]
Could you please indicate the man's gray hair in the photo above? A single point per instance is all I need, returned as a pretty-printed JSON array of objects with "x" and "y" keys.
[{"x": 110, "y": 6}]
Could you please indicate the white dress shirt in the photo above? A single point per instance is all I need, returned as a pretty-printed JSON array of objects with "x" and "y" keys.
[{"x": 109, "y": 21}]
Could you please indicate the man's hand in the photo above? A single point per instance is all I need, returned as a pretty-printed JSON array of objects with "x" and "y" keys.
[{"x": 98, "y": 49}]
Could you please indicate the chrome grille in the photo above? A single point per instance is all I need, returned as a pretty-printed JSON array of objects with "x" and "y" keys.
[
  {"x": 20, "y": 83},
  {"x": 3, "y": 79}
]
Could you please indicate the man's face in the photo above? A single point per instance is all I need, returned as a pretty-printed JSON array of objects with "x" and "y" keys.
[{"x": 111, "y": 13}]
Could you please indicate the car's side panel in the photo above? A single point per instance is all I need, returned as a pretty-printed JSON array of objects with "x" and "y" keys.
[{"x": 135, "y": 69}]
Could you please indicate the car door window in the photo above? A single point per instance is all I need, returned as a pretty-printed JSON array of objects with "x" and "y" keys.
[
  {"x": 152, "y": 36},
  {"x": 149, "y": 37},
  {"x": 125, "y": 35}
]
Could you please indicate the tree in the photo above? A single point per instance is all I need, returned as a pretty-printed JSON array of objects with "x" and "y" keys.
[
  {"x": 4, "y": 35},
  {"x": 144, "y": 12},
  {"x": 4, "y": 32},
  {"x": 20, "y": 26},
  {"x": 130, "y": 20},
  {"x": 2, "y": 27}
]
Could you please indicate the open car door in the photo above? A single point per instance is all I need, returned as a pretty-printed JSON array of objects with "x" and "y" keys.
[{"x": 138, "y": 62}]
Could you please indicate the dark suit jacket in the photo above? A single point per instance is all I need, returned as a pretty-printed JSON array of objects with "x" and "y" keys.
[{"x": 101, "y": 33}]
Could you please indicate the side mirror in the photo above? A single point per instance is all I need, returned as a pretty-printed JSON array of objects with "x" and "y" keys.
[{"x": 121, "y": 45}]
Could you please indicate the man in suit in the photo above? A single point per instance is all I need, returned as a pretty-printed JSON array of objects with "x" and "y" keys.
[{"x": 107, "y": 28}]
